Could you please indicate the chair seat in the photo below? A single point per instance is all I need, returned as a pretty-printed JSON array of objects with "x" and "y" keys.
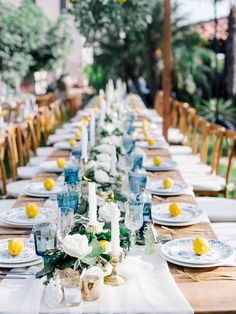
[
  {"x": 27, "y": 172},
  {"x": 44, "y": 151},
  {"x": 226, "y": 232},
  {"x": 187, "y": 159},
  {"x": 194, "y": 169},
  {"x": 16, "y": 188},
  {"x": 180, "y": 150},
  {"x": 218, "y": 209},
  {"x": 35, "y": 161},
  {"x": 205, "y": 183},
  {"x": 6, "y": 204},
  {"x": 177, "y": 138}
]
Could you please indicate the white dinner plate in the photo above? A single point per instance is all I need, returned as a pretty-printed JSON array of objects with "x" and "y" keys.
[
  {"x": 64, "y": 145},
  {"x": 27, "y": 255},
  {"x": 181, "y": 250},
  {"x": 166, "y": 165},
  {"x": 190, "y": 214},
  {"x": 50, "y": 166},
  {"x": 156, "y": 187},
  {"x": 157, "y": 145},
  {"x": 17, "y": 216},
  {"x": 18, "y": 265},
  {"x": 37, "y": 189},
  {"x": 54, "y": 138}
]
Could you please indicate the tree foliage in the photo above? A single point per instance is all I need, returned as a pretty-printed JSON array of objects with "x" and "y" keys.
[{"x": 29, "y": 40}]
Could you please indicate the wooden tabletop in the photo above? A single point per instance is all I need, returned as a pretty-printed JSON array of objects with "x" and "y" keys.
[{"x": 208, "y": 297}]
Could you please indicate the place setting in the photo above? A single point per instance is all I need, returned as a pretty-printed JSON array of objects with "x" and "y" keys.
[
  {"x": 56, "y": 166},
  {"x": 45, "y": 188},
  {"x": 157, "y": 163},
  {"x": 167, "y": 187}
]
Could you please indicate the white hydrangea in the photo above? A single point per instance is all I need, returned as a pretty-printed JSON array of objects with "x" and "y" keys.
[{"x": 101, "y": 176}]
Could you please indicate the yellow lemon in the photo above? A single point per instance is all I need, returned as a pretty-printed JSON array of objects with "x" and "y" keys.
[
  {"x": 151, "y": 142},
  {"x": 61, "y": 162},
  {"x": 200, "y": 246},
  {"x": 147, "y": 135},
  {"x": 102, "y": 194},
  {"x": 49, "y": 184},
  {"x": 85, "y": 122},
  {"x": 103, "y": 244},
  {"x": 145, "y": 122},
  {"x": 32, "y": 210},
  {"x": 137, "y": 110},
  {"x": 167, "y": 183},
  {"x": 72, "y": 143},
  {"x": 15, "y": 247},
  {"x": 77, "y": 134},
  {"x": 157, "y": 161},
  {"x": 95, "y": 108},
  {"x": 175, "y": 209}
]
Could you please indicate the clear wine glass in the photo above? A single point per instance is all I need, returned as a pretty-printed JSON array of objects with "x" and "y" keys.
[{"x": 134, "y": 216}]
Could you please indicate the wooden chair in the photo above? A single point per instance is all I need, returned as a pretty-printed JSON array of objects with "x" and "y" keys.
[
  {"x": 12, "y": 151},
  {"x": 23, "y": 142},
  {"x": 3, "y": 175},
  {"x": 158, "y": 102}
]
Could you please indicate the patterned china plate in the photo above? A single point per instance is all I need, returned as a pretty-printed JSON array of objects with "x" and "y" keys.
[
  {"x": 156, "y": 187},
  {"x": 50, "y": 166},
  {"x": 157, "y": 145},
  {"x": 181, "y": 250},
  {"x": 189, "y": 213},
  {"x": 27, "y": 255},
  {"x": 18, "y": 216},
  {"x": 167, "y": 165},
  {"x": 37, "y": 189},
  {"x": 60, "y": 137},
  {"x": 18, "y": 265}
]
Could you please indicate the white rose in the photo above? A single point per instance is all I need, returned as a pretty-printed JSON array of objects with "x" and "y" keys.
[
  {"x": 105, "y": 212},
  {"x": 101, "y": 176},
  {"x": 103, "y": 158},
  {"x": 104, "y": 148},
  {"x": 91, "y": 165},
  {"x": 113, "y": 139},
  {"x": 104, "y": 165},
  {"x": 76, "y": 245}
]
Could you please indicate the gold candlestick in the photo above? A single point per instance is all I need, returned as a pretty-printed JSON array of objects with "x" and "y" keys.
[
  {"x": 92, "y": 229},
  {"x": 114, "y": 279}
]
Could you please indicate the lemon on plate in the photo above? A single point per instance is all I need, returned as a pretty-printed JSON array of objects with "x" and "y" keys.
[
  {"x": 49, "y": 184},
  {"x": 151, "y": 142},
  {"x": 157, "y": 161},
  {"x": 167, "y": 183},
  {"x": 95, "y": 108},
  {"x": 61, "y": 162},
  {"x": 72, "y": 143},
  {"x": 32, "y": 210},
  {"x": 201, "y": 246},
  {"x": 77, "y": 134},
  {"x": 137, "y": 110},
  {"x": 147, "y": 135},
  {"x": 15, "y": 247},
  {"x": 103, "y": 244},
  {"x": 175, "y": 209}
]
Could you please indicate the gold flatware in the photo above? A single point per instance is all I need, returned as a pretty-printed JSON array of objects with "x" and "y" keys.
[{"x": 207, "y": 276}]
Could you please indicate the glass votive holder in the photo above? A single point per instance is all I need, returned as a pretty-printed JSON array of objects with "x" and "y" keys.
[
  {"x": 90, "y": 288},
  {"x": 71, "y": 175},
  {"x": 72, "y": 292},
  {"x": 45, "y": 238},
  {"x": 68, "y": 199},
  {"x": 76, "y": 152}
]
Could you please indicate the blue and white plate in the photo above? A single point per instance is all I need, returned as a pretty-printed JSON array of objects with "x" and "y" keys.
[
  {"x": 64, "y": 145},
  {"x": 37, "y": 189},
  {"x": 190, "y": 214},
  {"x": 27, "y": 255},
  {"x": 17, "y": 216},
  {"x": 156, "y": 187},
  {"x": 166, "y": 165},
  {"x": 181, "y": 250}
]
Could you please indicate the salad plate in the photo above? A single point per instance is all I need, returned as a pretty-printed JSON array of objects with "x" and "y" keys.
[
  {"x": 166, "y": 165},
  {"x": 37, "y": 189},
  {"x": 156, "y": 187},
  {"x": 50, "y": 166}
]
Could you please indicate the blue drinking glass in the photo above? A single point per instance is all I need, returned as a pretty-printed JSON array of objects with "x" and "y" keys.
[
  {"x": 137, "y": 162},
  {"x": 147, "y": 213},
  {"x": 45, "y": 239},
  {"x": 129, "y": 144},
  {"x": 71, "y": 175},
  {"x": 68, "y": 199},
  {"x": 76, "y": 152},
  {"x": 137, "y": 181}
]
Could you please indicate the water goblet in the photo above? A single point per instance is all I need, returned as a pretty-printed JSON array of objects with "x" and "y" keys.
[
  {"x": 45, "y": 238},
  {"x": 65, "y": 222},
  {"x": 129, "y": 144},
  {"x": 134, "y": 216},
  {"x": 137, "y": 162},
  {"x": 137, "y": 181},
  {"x": 71, "y": 175}
]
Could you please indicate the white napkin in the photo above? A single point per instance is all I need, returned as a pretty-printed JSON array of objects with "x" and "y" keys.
[
  {"x": 21, "y": 296},
  {"x": 150, "y": 288}
]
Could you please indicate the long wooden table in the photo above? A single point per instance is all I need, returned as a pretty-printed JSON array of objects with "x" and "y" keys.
[{"x": 208, "y": 297}]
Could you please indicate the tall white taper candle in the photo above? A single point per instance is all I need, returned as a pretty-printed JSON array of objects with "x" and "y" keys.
[
  {"x": 92, "y": 204},
  {"x": 92, "y": 130},
  {"x": 84, "y": 139},
  {"x": 115, "y": 230}
]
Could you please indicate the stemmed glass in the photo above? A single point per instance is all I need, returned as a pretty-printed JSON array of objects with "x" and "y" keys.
[
  {"x": 137, "y": 181},
  {"x": 134, "y": 216},
  {"x": 65, "y": 222}
]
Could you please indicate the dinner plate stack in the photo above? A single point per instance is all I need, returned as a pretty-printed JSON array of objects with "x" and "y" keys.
[
  {"x": 64, "y": 145},
  {"x": 157, "y": 145},
  {"x": 50, "y": 166},
  {"x": 180, "y": 252},
  {"x": 17, "y": 218},
  {"x": 27, "y": 257},
  {"x": 37, "y": 189},
  {"x": 190, "y": 214},
  {"x": 156, "y": 187},
  {"x": 166, "y": 165}
]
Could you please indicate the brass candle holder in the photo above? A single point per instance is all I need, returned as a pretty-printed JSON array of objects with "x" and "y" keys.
[
  {"x": 114, "y": 279},
  {"x": 92, "y": 229}
]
